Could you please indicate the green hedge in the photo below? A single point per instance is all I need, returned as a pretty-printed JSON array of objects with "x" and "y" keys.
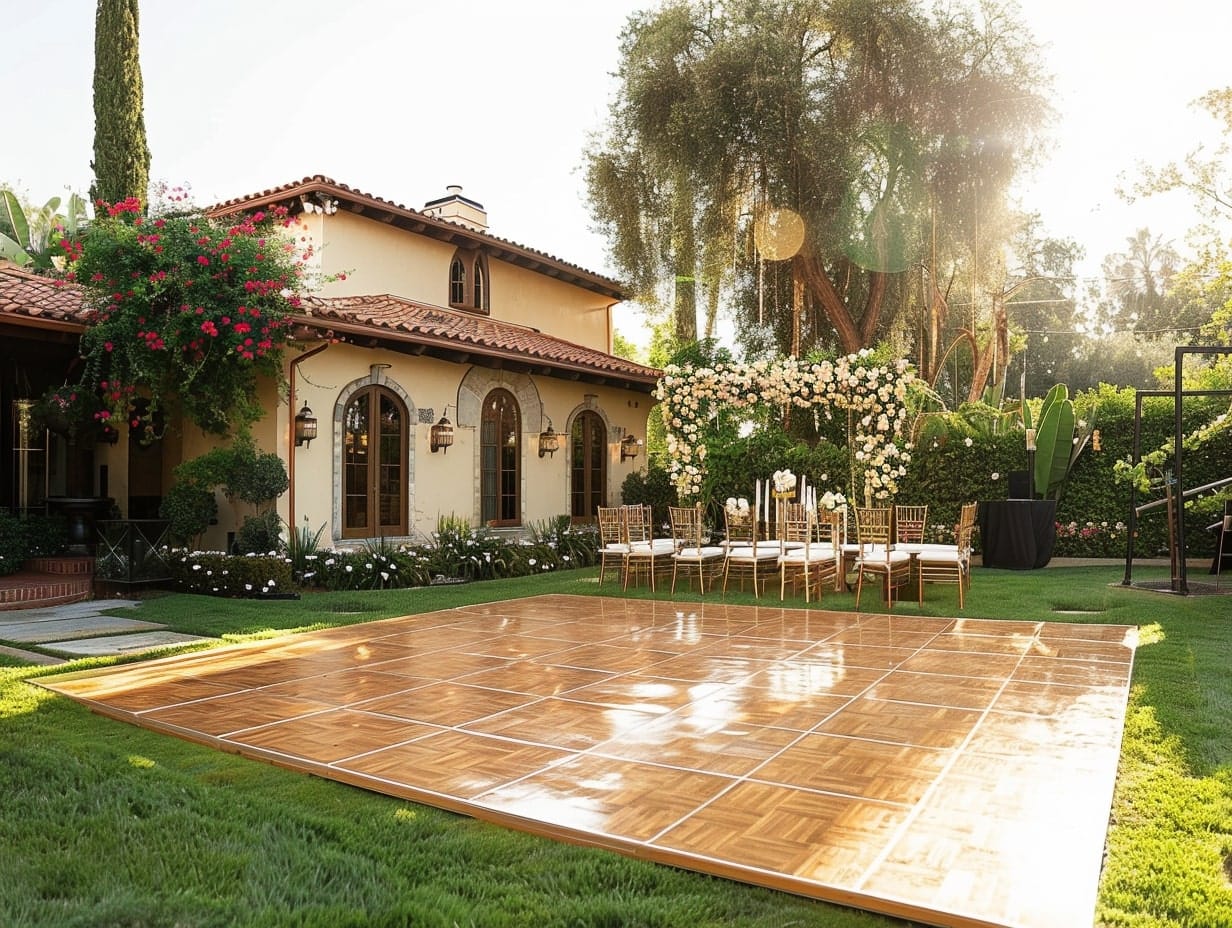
[{"x": 214, "y": 573}]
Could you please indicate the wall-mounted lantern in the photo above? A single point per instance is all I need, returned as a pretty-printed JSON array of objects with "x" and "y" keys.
[
  {"x": 440, "y": 436},
  {"x": 549, "y": 441},
  {"x": 628, "y": 447},
  {"x": 305, "y": 426}
]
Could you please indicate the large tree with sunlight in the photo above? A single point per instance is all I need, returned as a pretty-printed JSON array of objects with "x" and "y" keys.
[
  {"x": 891, "y": 129},
  {"x": 121, "y": 156}
]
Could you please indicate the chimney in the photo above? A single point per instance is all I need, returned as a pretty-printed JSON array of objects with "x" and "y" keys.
[{"x": 456, "y": 208}]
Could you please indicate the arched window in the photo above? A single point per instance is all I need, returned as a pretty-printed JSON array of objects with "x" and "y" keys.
[
  {"x": 457, "y": 283},
  {"x": 481, "y": 284},
  {"x": 500, "y": 455},
  {"x": 588, "y": 466},
  {"x": 374, "y": 464},
  {"x": 475, "y": 293}
]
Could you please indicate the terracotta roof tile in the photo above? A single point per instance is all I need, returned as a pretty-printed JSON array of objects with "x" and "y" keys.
[
  {"x": 29, "y": 295},
  {"x": 504, "y": 249},
  {"x": 436, "y": 326}
]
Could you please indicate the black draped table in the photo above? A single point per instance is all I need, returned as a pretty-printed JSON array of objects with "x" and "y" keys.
[{"x": 1017, "y": 534}]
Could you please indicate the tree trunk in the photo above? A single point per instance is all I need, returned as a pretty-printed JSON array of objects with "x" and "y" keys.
[
  {"x": 684, "y": 247},
  {"x": 997, "y": 344},
  {"x": 807, "y": 268}
]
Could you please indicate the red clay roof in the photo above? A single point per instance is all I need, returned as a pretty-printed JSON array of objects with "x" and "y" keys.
[
  {"x": 382, "y": 210},
  {"x": 32, "y": 300},
  {"x": 26, "y": 296},
  {"x": 452, "y": 333}
]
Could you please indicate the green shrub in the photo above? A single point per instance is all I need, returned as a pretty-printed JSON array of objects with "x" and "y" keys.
[
  {"x": 378, "y": 565},
  {"x": 254, "y": 477},
  {"x": 653, "y": 488},
  {"x": 240, "y": 472},
  {"x": 189, "y": 508},
  {"x": 260, "y": 534},
  {"x": 13, "y": 544},
  {"x": 213, "y": 573},
  {"x": 303, "y": 547},
  {"x": 46, "y": 536},
  {"x": 458, "y": 551},
  {"x": 572, "y": 545}
]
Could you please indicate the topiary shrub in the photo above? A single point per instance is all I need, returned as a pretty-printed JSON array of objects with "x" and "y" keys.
[
  {"x": 260, "y": 534},
  {"x": 189, "y": 508}
]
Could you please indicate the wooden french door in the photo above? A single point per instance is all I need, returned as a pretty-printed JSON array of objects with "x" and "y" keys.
[
  {"x": 500, "y": 456},
  {"x": 374, "y": 465},
  {"x": 588, "y": 467}
]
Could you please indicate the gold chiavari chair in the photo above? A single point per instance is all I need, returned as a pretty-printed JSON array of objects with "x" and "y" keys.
[
  {"x": 746, "y": 554},
  {"x": 946, "y": 564},
  {"x": 613, "y": 546},
  {"x": 909, "y": 524},
  {"x": 645, "y": 551},
  {"x": 691, "y": 549},
  {"x": 877, "y": 557},
  {"x": 805, "y": 560}
]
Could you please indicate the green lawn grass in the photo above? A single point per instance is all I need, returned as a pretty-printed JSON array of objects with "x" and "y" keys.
[{"x": 102, "y": 823}]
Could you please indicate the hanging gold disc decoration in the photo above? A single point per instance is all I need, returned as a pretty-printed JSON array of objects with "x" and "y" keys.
[{"x": 778, "y": 233}]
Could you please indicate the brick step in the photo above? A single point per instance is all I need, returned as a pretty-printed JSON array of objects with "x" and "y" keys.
[
  {"x": 65, "y": 564},
  {"x": 30, "y": 590}
]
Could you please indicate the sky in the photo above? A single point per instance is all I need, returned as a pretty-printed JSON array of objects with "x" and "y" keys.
[{"x": 400, "y": 98}]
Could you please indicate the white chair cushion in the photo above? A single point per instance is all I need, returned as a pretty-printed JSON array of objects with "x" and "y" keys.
[
  {"x": 657, "y": 546},
  {"x": 616, "y": 548},
  {"x": 746, "y": 555},
  {"x": 950, "y": 558},
  {"x": 817, "y": 554},
  {"x": 875, "y": 559},
  {"x": 931, "y": 547},
  {"x": 698, "y": 554}
]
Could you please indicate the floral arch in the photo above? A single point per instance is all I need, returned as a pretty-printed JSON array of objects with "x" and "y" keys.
[{"x": 874, "y": 394}]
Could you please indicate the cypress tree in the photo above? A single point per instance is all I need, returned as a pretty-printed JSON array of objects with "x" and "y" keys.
[{"x": 121, "y": 157}]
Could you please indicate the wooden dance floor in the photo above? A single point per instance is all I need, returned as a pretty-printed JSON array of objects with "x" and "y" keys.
[{"x": 949, "y": 771}]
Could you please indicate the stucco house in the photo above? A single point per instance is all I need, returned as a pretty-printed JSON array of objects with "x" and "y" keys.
[{"x": 437, "y": 371}]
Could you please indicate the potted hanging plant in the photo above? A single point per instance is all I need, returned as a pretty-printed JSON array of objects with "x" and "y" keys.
[{"x": 73, "y": 413}]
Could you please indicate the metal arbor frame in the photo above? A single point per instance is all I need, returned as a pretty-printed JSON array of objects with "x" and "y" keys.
[{"x": 1180, "y": 580}]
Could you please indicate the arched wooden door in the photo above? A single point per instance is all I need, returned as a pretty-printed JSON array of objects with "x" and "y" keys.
[
  {"x": 500, "y": 456},
  {"x": 374, "y": 465},
  {"x": 588, "y": 466}
]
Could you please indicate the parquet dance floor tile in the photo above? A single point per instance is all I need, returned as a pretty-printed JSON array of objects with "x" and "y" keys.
[{"x": 955, "y": 772}]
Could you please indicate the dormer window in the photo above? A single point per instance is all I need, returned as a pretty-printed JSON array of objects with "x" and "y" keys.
[{"x": 473, "y": 293}]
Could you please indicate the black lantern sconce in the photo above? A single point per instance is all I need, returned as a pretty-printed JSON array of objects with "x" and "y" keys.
[
  {"x": 305, "y": 427},
  {"x": 549, "y": 441},
  {"x": 440, "y": 436},
  {"x": 628, "y": 447}
]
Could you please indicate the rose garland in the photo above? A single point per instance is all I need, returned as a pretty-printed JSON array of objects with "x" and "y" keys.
[{"x": 875, "y": 395}]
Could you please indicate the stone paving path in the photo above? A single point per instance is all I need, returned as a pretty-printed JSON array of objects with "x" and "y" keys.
[{"x": 81, "y": 629}]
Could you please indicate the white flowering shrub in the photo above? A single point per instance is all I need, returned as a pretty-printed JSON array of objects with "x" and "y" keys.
[{"x": 214, "y": 573}]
